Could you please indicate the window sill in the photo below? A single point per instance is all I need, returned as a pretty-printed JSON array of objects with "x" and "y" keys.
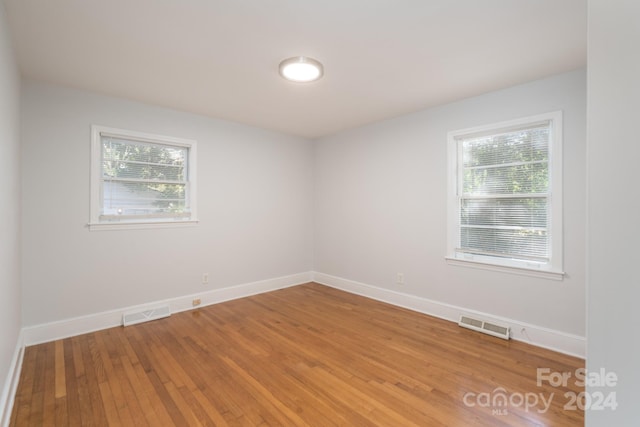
[
  {"x": 543, "y": 274},
  {"x": 104, "y": 226}
]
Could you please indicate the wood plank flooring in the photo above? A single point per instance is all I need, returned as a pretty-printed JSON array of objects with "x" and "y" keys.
[{"x": 303, "y": 356}]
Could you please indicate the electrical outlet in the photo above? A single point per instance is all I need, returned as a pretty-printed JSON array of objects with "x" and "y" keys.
[
  {"x": 205, "y": 278},
  {"x": 196, "y": 302},
  {"x": 400, "y": 278}
]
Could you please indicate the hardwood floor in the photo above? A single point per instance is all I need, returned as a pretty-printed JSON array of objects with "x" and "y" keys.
[{"x": 303, "y": 356}]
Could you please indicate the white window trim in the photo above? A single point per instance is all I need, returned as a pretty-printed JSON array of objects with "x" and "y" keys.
[
  {"x": 96, "y": 171},
  {"x": 552, "y": 270}
]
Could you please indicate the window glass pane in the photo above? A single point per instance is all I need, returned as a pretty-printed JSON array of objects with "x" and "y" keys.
[
  {"x": 121, "y": 149},
  {"x": 146, "y": 171},
  {"x": 132, "y": 159},
  {"x": 512, "y": 243},
  {"x": 527, "y": 145},
  {"x": 134, "y": 198},
  {"x": 517, "y": 212},
  {"x": 523, "y": 179}
]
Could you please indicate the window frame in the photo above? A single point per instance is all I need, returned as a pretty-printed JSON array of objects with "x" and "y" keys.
[
  {"x": 95, "y": 223},
  {"x": 553, "y": 269}
]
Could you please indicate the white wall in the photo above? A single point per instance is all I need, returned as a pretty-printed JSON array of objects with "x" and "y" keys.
[
  {"x": 9, "y": 208},
  {"x": 381, "y": 202},
  {"x": 254, "y": 206},
  {"x": 613, "y": 342}
]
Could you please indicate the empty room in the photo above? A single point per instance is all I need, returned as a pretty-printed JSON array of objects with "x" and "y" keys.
[{"x": 297, "y": 213}]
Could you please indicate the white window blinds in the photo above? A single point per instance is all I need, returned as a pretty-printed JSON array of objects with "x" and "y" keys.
[
  {"x": 143, "y": 179},
  {"x": 504, "y": 193}
]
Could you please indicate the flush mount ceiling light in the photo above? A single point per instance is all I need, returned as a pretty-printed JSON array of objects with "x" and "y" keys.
[{"x": 301, "y": 69}]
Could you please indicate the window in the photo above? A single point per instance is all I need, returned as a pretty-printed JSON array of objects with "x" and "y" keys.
[
  {"x": 140, "y": 180},
  {"x": 505, "y": 196}
]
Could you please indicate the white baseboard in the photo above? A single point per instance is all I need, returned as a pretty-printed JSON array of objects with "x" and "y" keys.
[
  {"x": 539, "y": 336},
  {"x": 11, "y": 383},
  {"x": 81, "y": 325},
  {"x": 562, "y": 342}
]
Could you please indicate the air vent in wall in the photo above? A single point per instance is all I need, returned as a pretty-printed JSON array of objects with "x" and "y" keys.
[
  {"x": 484, "y": 327},
  {"x": 146, "y": 315}
]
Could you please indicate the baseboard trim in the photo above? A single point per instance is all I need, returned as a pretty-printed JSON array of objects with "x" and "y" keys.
[
  {"x": 94, "y": 322},
  {"x": 11, "y": 383},
  {"x": 562, "y": 342}
]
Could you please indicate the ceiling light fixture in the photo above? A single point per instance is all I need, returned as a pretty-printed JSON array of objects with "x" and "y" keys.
[{"x": 301, "y": 69}]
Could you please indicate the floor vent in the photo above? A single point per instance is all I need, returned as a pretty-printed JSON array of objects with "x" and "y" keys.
[
  {"x": 484, "y": 327},
  {"x": 145, "y": 316}
]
